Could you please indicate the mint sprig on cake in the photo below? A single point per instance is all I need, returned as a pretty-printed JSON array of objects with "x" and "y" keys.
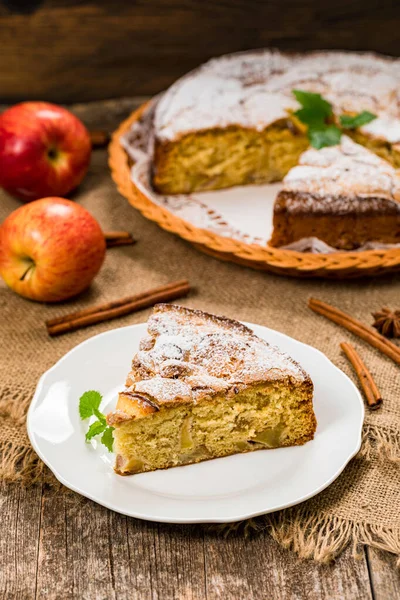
[{"x": 322, "y": 126}]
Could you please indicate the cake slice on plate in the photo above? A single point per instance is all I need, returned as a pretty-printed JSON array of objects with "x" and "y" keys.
[
  {"x": 343, "y": 195},
  {"x": 203, "y": 386}
]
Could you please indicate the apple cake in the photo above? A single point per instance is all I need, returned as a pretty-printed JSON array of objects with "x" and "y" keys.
[
  {"x": 344, "y": 195},
  {"x": 202, "y": 387},
  {"x": 230, "y": 122}
]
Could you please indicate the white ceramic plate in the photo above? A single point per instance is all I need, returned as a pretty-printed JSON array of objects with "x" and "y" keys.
[{"x": 222, "y": 490}]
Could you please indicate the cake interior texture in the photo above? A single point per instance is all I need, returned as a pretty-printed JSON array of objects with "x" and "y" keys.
[
  {"x": 221, "y": 158},
  {"x": 267, "y": 416},
  {"x": 203, "y": 387}
]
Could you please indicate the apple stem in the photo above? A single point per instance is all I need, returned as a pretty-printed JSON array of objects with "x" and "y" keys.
[{"x": 25, "y": 273}]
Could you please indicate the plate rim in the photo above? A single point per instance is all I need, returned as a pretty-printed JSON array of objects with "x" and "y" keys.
[
  {"x": 337, "y": 265},
  {"x": 79, "y": 490}
]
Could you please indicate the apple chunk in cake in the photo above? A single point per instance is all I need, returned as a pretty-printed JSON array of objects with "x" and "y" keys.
[{"x": 203, "y": 386}]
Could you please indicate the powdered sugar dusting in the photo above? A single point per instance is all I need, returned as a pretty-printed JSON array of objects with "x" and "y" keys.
[
  {"x": 167, "y": 389},
  {"x": 254, "y": 89},
  {"x": 345, "y": 171},
  {"x": 196, "y": 355}
]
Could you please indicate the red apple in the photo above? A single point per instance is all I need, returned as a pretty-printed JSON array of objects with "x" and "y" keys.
[
  {"x": 50, "y": 249},
  {"x": 44, "y": 150}
]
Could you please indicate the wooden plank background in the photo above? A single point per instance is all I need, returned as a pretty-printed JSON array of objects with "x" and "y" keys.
[
  {"x": 61, "y": 546},
  {"x": 79, "y": 50}
]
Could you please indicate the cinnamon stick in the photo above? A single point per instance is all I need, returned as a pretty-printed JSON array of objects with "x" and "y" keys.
[
  {"x": 99, "y": 138},
  {"x": 121, "y": 242},
  {"x": 116, "y": 235},
  {"x": 118, "y": 238},
  {"x": 116, "y": 303},
  {"x": 117, "y": 308},
  {"x": 367, "y": 334},
  {"x": 372, "y": 394}
]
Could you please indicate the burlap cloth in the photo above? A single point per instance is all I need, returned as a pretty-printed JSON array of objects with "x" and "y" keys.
[{"x": 362, "y": 506}]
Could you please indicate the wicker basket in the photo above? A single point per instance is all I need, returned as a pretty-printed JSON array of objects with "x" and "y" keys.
[{"x": 285, "y": 262}]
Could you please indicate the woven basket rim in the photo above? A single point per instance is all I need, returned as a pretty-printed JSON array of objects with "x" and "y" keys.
[{"x": 289, "y": 262}]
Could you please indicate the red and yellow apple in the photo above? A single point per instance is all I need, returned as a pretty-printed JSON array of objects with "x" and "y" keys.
[
  {"x": 44, "y": 150},
  {"x": 50, "y": 249}
]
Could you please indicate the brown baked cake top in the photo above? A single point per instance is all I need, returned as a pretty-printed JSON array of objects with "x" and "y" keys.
[
  {"x": 189, "y": 355},
  {"x": 340, "y": 176},
  {"x": 254, "y": 89}
]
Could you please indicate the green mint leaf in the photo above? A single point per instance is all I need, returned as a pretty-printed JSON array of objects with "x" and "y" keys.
[
  {"x": 316, "y": 113},
  {"x": 352, "y": 122},
  {"x": 107, "y": 438},
  {"x": 310, "y": 117},
  {"x": 100, "y": 416},
  {"x": 319, "y": 138},
  {"x": 95, "y": 428},
  {"x": 313, "y": 102},
  {"x": 89, "y": 402}
]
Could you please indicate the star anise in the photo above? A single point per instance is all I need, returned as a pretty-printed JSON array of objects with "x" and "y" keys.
[{"x": 387, "y": 322}]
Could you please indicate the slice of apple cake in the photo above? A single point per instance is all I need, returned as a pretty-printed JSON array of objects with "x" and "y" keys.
[{"x": 203, "y": 386}]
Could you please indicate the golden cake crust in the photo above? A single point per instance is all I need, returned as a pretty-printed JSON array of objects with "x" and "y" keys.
[{"x": 190, "y": 356}]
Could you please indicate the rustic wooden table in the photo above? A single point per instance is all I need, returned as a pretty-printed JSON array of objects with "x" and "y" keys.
[{"x": 59, "y": 545}]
